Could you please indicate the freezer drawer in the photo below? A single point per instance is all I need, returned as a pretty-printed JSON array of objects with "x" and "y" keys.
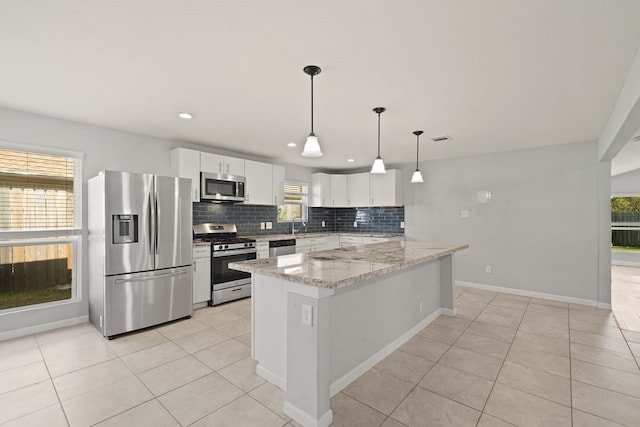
[{"x": 140, "y": 300}]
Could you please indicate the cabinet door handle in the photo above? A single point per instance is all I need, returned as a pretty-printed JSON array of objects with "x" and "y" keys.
[
  {"x": 227, "y": 167},
  {"x": 195, "y": 263},
  {"x": 275, "y": 200}
]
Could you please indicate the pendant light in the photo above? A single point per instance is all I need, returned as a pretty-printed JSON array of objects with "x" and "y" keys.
[
  {"x": 378, "y": 164},
  {"x": 417, "y": 175},
  {"x": 312, "y": 147}
]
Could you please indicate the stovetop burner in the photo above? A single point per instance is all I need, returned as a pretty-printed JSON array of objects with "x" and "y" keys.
[{"x": 221, "y": 234}]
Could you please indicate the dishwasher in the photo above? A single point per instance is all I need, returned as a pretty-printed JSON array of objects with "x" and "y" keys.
[{"x": 282, "y": 247}]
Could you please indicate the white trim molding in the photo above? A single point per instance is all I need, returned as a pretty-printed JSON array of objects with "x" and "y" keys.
[{"x": 305, "y": 419}]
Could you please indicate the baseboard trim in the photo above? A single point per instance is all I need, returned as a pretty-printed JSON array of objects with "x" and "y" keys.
[
  {"x": 305, "y": 419},
  {"x": 533, "y": 294},
  {"x": 17, "y": 333},
  {"x": 271, "y": 377},
  {"x": 376, "y": 358},
  {"x": 604, "y": 305},
  {"x": 625, "y": 263}
]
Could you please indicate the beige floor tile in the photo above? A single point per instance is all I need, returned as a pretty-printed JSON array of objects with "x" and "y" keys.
[
  {"x": 546, "y": 329},
  {"x": 27, "y": 400},
  {"x": 19, "y": 352},
  {"x": 466, "y": 312},
  {"x": 390, "y": 422},
  {"x": 242, "y": 374},
  {"x": 635, "y": 348},
  {"x": 606, "y": 404},
  {"x": 603, "y": 317},
  {"x": 235, "y": 328},
  {"x": 181, "y": 328},
  {"x": 425, "y": 348},
  {"x": 380, "y": 391},
  {"x": 424, "y": 408},
  {"x": 405, "y": 366},
  {"x": 105, "y": 402},
  {"x": 200, "y": 340},
  {"x": 136, "y": 341},
  {"x": 71, "y": 344},
  {"x": 631, "y": 336},
  {"x": 457, "y": 385},
  {"x": 440, "y": 333},
  {"x": 91, "y": 378},
  {"x": 483, "y": 299},
  {"x": 541, "y": 384},
  {"x": 484, "y": 345},
  {"x": 223, "y": 354},
  {"x": 65, "y": 333},
  {"x": 540, "y": 360},
  {"x": 218, "y": 318},
  {"x": 498, "y": 320},
  {"x": 474, "y": 363},
  {"x": 245, "y": 339},
  {"x": 199, "y": 398},
  {"x": 53, "y": 416},
  {"x": 151, "y": 357},
  {"x": 348, "y": 412},
  {"x": 477, "y": 306},
  {"x": 609, "y": 378},
  {"x": 536, "y": 316},
  {"x": 549, "y": 310},
  {"x": 23, "y": 376},
  {"x": 504, "y": 300},
  {"x": 481, "y": 293},
  {"x": 551, "y": 345},
  {"x": 549, "y": 302},
  {"x": 618, "y": 345},
  {"x": 524, "y": 409},
  {"x": 602, "y": 357},
  {"x": 151, "y": 413},
  {"x": 505, "y": 311},
  {"x": 69, "y": 362},
  {"x": 593, "y": 328},
  {"x": 582, "y": 419},
  {"x": 452, "y": 322},
  {"x": 242, "y": 412},
  {"x": 271, "y": 397},
  {"x": 491, "y": 331},
  {"x": 172, "y": 375},
  {"x": 244, "y": 311},
  {"x": 487, "y": 420}
]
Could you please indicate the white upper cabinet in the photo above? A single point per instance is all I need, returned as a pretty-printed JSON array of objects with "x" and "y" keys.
[
  {"x": 339, "y": 196},
  {"x": 215, "y": 163},
  {"x": 259, "y": 184},
  {"x": 320, "y": 194},
  {"x": 386, "y": 189},
  {"x": 358, "y": 189},
  {"x": 278, "y": 185},
  {"x": 185, "y": 163}
]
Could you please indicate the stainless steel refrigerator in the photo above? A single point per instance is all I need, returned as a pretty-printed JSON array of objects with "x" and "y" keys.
[{"x": 140, "y": 250}]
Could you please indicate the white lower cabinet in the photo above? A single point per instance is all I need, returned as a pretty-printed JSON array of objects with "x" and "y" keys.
[
  {"x": 314, "y": 244},
  {"x": 263, "y": 250},
  {"x": 201, "y": 274}
]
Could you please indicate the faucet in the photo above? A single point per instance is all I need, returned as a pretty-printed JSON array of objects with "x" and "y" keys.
[{"x": 293, "y": 224}]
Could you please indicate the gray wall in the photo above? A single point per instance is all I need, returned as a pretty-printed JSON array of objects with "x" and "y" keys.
[
  {"x": 103, "y": 148},
  {"x": 626, "y": 184},
  {"x": 542, "y": 230}
]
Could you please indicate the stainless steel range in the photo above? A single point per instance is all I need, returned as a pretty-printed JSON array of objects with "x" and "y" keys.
[{"x": 227, "y": 284}]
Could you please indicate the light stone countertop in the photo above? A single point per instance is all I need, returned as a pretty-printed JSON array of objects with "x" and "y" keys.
[
  {"x": 342, "y": 267},
  {"x": 271, "y": 237}
]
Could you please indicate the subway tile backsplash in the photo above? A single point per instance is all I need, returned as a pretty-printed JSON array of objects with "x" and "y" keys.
[{"x": 248, "y": 218}]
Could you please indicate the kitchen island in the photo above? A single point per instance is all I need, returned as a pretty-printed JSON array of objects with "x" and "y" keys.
[{"x": 322, "y": 319}]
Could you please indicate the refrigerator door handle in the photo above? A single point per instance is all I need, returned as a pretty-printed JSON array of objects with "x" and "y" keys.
[
  {"x": 152, "y": 225},
  {"x": 157, "y": 276},
  {"x": 157, "y": 210}
]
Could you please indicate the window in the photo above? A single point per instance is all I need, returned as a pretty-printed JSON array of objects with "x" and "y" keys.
[
  {"x": 40, "y": 195},
  {"x": 295, "y": 202},
  {"x": 625, "y": 223}
]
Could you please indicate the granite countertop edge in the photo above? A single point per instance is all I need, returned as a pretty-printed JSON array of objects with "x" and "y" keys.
[{"x": 268, "y": 270}]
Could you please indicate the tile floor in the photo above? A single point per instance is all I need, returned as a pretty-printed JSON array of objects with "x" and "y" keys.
[
  {"x": 503, "y": 360},
  {"x": 625, "y": 296}
]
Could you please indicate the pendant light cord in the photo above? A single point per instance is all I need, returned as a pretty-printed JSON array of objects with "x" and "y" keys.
[
  {"x": 417, "y": 150},
  {"x": 378, "y": 134},
  {"x": 312, "y": 103}
]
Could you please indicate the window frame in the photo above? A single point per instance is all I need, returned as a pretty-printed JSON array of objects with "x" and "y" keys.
[{"x": 304, "y": 203}]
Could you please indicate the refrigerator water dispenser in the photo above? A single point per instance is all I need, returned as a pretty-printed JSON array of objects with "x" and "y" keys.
[{"x": 125, "y": 229}]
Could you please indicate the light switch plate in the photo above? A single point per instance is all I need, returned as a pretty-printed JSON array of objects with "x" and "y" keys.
[
  {"x": 401, "y": 224},
  {"x": 262, "y": 226},
  {"x": 323, "y": 223},
  {"x": 464, "y": 213},
  {"x": 307, "y": 314},
  {"x": 269, "y": 225},
  {"x": 355, "y": 224}
]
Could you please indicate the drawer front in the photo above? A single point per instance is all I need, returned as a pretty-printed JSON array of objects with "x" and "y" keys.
[
  {"x": 228, "y": 294},
  {"x": 201, "y": 251}
]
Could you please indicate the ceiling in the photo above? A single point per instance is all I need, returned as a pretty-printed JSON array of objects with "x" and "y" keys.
[{"x": 494, "y": 75}]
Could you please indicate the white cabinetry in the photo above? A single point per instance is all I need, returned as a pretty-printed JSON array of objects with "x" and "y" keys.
[
  {"x": 346, "y": 241},
  {"x": 314, "y": 244},
  {"x": 263, "y": 250},
  {"x": 320, "y": 190},
  {"x": 333, "y": 242},
  {"x": 386, "y": 189},
  {"x": 201, "y": 274},
  {"x": 185, "y": 163},
  {"x": 278, "y": 185},
  {"x": 215, "y": 163},
  {"x": 358, "y": 189},
  {"x": 259, "y": 184},
  {"x": 339, "y": 197}
]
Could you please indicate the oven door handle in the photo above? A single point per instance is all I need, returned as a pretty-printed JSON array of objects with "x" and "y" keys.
[{"x": 219, "y": 254}]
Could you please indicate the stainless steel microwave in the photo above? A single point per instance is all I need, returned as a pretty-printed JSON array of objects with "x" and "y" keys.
[{"x": 218, "y": 187}]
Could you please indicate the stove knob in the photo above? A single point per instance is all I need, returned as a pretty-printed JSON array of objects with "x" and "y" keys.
[
  {"x": 246, "y": 245},
  {"x": 226, "y": 246},
  {"x": 220, "y": 247}
]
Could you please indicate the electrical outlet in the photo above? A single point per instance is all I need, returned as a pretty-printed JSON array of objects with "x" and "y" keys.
[
  {"x": 464, "y": 213},
  {"x": 487, "y": 269},
  {"x": 401, "y": 224},
  {"x": 269, "y": 225},
  {"x": 307, "y": 314},
  {"x": 323, "y": 223},
  {"x": 262, "y": 226},
  {"x": 355, "y": 224}
]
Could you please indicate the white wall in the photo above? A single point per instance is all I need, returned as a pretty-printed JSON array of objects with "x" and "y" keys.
[
  {"x": 542, "y": 230},
  {"x": 626, "y": 184},
  {"x": 103, "y": 148}
]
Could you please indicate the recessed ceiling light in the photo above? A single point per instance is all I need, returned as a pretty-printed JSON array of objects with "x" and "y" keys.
[
  {"x": 350, "y": 160},
  {"x": 291, "y": 144},
  {"x": 441, "y": 138},
  {"x": 186, "y": 116}
]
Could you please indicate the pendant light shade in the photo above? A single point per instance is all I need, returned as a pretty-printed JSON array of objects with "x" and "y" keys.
[
  {"x": 378, "y": 164},
  {"x": 417, "y": 175},
  {"x": 312, "y": 147}
]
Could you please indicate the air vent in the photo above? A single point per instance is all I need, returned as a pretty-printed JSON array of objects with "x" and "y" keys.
[{"x": 441, "y": 138}]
